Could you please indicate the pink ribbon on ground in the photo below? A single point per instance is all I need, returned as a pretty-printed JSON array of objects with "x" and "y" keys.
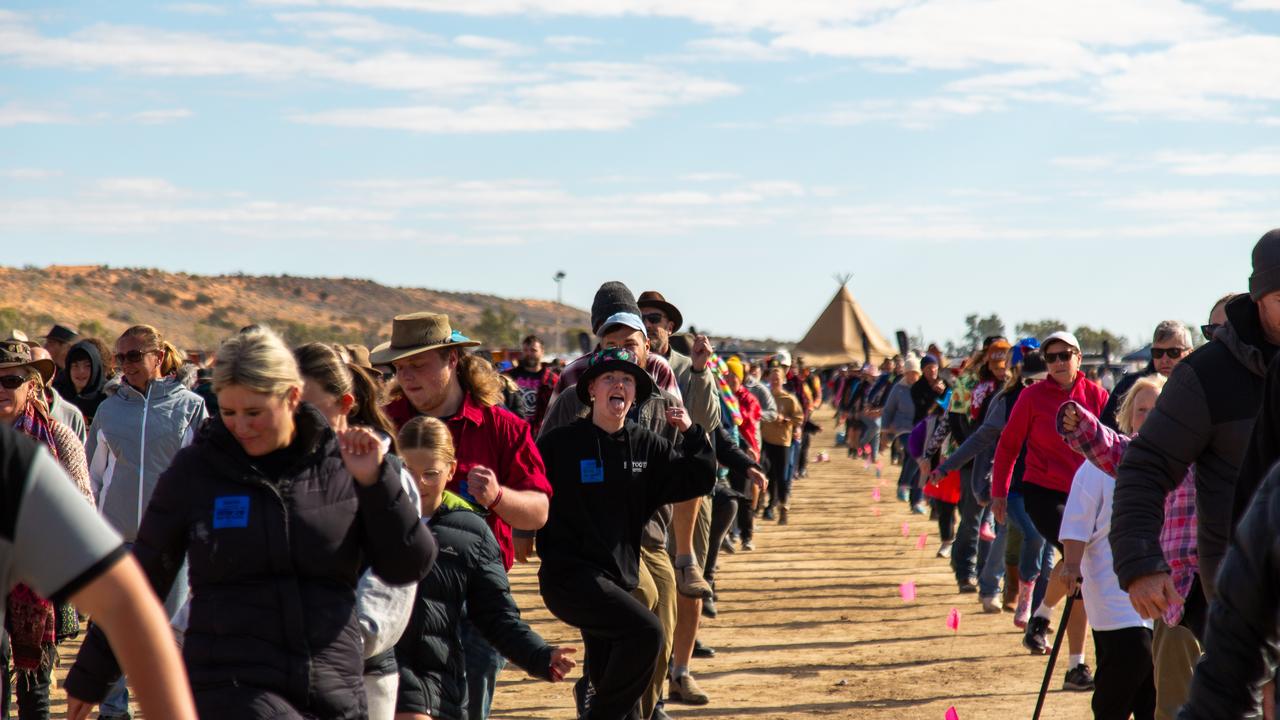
[
  {"x": 875, "y": 494},
  {"x": 907, "y": 590},
  {"x": 922, "y": 541},
  {"x": 953, "y": 620},
  {"x": 952, "y": 714},
  {"x": 906, "y": 530}
]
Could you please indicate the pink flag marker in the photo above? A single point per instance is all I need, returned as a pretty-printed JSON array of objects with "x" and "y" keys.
[
  {"x": 953, "y": 620},
  {"x": 875, "y": 494},
  {"x": 875, "y": 511},
  {"x": 922, "y": 541},
  {"x": 906, "y": 530},
  {"x": 952, "y": 714},
  {"x": 908, "y": 591}
]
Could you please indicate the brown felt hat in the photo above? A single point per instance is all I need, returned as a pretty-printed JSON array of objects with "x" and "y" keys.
[
  {"x": 14, "y": 354},
  {"x": 416, "y": 333},
  {"x": 653, "y": 298}
]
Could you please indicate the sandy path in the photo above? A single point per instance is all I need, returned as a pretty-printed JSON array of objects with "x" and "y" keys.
[{"x": 816, "y": 604}]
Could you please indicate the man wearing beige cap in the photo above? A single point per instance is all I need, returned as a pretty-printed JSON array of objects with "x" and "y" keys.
[{"x": 499, "y": 467}]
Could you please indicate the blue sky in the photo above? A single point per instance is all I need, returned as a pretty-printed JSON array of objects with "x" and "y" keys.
[{"x": 1104, "y": 162}]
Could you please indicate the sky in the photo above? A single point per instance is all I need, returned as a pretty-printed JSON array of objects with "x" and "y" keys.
[{"x": 1103, "y": 162}]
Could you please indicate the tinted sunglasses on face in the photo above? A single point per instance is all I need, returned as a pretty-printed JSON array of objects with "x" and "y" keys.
[
  {"x": 1173, "y": 353},
  {"x": 654, "y": 318},
  {"x": 1063, "y": 356},
  {"x": 12, "y": 382},
  {"x": 132, "y": 357},
  {"x": 1209, "y": 330}
]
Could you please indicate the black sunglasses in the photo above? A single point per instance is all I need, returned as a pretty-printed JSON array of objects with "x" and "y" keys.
[
  {"x": 133, "y": 356},
  {"x": 12, "y": 382},
  {"x": 1173, "y": 353},
  {"x": 1063, "y": 356},
  {"x": 1209, "y": 330},
  {"x": 654, "y": 318}
]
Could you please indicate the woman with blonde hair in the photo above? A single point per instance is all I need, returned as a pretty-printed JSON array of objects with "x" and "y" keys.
[
  {"x": 469, "y": 575},
  {"x": 133, "y": 438},
  {"x": 279, "y": 515}
]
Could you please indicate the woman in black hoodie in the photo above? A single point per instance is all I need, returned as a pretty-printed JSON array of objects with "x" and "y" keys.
[
  {"x": 278, "y": 517},
  {"x": 609, "y": 476},
  {"x": 85, "y": 380}
]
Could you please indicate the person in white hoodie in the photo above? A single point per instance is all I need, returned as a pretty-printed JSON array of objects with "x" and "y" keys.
[{"x": 134, "y": 436}]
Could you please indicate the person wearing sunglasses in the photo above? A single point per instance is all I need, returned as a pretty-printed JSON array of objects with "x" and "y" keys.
[
  {"x": 134, "y": 436},
  {"x": 23, "y": 379},
  {"x": 1046, "y": 482},
  {"x": 1170, "y": 343}
]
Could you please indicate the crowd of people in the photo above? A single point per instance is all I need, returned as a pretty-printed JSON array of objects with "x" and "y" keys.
[{"x": 327, "y": 530}]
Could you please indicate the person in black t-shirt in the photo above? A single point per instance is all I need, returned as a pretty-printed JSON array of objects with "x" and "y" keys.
[
  {"x": 536, "y": 382},
  {"x": 609, "y": 475}
]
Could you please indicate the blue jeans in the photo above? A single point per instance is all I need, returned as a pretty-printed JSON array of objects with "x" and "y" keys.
[
  {"x": 1036, "y": 554},
  {"x": 993, "y": 569},
  {"x": 117, "y": 700},
  {"x": 970, "y": 552},
  {"x": 483, "y": 665},
  {"x": 793, "y": 460},
  {"x": 871, "y": 436}
]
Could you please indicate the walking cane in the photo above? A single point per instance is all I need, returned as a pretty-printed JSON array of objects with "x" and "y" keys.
[{"x": 1053, "y": 654}]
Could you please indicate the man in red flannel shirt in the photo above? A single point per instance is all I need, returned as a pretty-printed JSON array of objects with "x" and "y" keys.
[{"x": 499, "y": 467}]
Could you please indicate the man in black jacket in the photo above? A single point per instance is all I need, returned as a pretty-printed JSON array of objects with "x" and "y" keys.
[{"x": 1203, "y": 417}]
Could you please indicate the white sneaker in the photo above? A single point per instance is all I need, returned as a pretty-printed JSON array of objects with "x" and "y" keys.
[{"x": 945, "y": 550}]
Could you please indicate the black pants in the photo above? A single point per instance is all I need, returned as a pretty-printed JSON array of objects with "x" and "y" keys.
[
  {"x": 620, "y": 635},
  {"x": 32, "y": 687},
  {"x": 724, "y": 510},
  {"x": 779, "y": 487},
  {"x": 946, "y": 519},
  {"x": 1045, "y": 507},
  {"x": 1125, "y": 681},
  {"x": 802, "y": 463},
  {"x": 746, "y": 519}
]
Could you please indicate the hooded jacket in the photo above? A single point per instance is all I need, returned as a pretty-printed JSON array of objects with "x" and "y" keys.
[
  {"x": 1050, "y": 463},
  {"x": 468, "y": 574},
  {"x": 133, "y": 438},
  {"x": 1204, "y": 417},
  {"x": 607, "y": 486},
  {"x": 94, "y": 391},
  {"x": 274, "y": 569}
]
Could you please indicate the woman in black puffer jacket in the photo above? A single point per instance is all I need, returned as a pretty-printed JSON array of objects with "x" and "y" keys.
[
  {"x": 469, "y": 571},
  {"x": 278, "y": 516}
]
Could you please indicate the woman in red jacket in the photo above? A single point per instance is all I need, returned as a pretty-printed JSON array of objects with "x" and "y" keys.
[{"x": 1050, "y": 466}]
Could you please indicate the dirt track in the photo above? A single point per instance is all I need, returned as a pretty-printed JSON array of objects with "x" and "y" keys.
[
  {"x": 818, "y": 603},
  {"x": 811, "y": 623}
]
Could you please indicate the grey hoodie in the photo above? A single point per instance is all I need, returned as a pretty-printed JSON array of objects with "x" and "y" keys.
[{"x": 133, "y": 438}]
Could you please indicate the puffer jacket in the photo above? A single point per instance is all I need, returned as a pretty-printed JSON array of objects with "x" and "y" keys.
[
  {"x": 133, "y": 438},
  {"x": 1242, "y": 640},
  {"x": 274, "y": 566},
  {"x": 468, "y": 574},
  {"x": 1204, "y": 417}
]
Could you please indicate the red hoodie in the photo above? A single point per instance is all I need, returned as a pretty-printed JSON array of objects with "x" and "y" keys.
[{"x": 1050, "y": 463}]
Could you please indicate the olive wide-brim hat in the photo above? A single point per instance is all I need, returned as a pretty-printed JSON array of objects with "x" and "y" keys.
[
  {"x": 416, "y": 333},
  {"x": 608, "y": 360},
  {"x": 14, "y": 354}
]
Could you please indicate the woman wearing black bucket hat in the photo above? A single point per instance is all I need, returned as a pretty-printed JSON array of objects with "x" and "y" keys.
[{"x": 609, "y": 476}]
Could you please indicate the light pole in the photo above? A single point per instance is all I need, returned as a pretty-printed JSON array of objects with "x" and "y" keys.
[{"x": 559, "y": 278}]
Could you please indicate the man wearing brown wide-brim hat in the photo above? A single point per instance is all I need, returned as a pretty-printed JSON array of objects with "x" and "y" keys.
[{"x": 499, "y": 467}]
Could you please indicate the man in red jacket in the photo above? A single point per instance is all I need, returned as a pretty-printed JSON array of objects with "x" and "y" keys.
[{"x": 1046, "y": 481}]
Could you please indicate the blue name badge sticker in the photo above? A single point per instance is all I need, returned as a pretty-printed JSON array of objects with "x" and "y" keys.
[
  {"x": 231, "y": 512},
  {"x": 592, "y": 472}
]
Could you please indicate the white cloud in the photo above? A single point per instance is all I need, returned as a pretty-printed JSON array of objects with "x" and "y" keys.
[
  {"x": 146, "y": 188},
  {"x": 1259, "y": 162},
  {"x": 350, "y": 27},
  {"x": 497, "y": 46},
  {"x": 161, "y": 117},
  {"x": 1188, "y": 201},
  {"x": 916, "y": 114},
  {"x": 30, "y": 174},
  {"x": 1256, "y": 4},
  {"x": 571, "y": 43},
  {"x": 192, "y": 8},
  {"x": 733, "y": 49},
  {"x": 584, "y": 96},
  {"x": 13, "y": 114},
  {"x": 1088, "y": 163}
]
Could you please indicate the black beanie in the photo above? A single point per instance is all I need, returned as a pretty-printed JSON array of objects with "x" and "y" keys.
[
  {"x": 1266, "y": 266},
  {"x": 613, "y": 297}
]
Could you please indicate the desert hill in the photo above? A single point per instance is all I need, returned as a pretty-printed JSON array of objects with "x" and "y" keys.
[{"x": 196, "y": 311}]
